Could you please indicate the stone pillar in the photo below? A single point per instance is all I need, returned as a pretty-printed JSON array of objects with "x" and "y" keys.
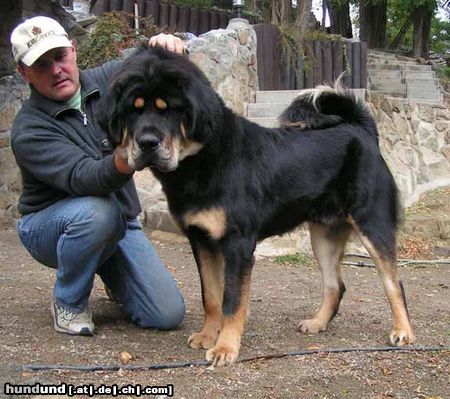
[{"x": 228, "y": 59}]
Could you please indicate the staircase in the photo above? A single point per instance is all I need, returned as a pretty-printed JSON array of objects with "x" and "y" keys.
[
  {"x": 399, "y": 76},
  {"x": 270, "y": 104}
]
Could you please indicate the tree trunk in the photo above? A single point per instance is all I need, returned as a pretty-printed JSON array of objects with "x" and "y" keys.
[
  {"x": 421, "y": 30},
  {"x": 373, "y": 19},
  {"x": 340, "y": 22},
  {"x": 281, "y": 12},
  {"x": 401, "y": 33},
  {"x": 302, "y": 17}
]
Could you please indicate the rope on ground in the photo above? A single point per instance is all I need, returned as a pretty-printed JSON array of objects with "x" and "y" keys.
[
  {"x": 176, "y": 365},
  {"x": 400, "y": 262}
]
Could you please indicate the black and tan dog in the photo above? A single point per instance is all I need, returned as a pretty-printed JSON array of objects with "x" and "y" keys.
[{"x": 230, "y": 183}]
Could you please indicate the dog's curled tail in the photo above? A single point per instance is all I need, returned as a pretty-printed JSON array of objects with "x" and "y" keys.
[{"x": 325, "y": 107}]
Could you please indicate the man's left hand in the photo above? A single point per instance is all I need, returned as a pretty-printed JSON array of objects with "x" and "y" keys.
[{"x": 169, "y": 42}]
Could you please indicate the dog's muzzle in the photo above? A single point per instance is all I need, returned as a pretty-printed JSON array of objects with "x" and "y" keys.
[{"x": 149, "y": 142}]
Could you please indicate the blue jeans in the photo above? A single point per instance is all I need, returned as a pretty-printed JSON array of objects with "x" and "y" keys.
[{"x": 83, "y": 236}]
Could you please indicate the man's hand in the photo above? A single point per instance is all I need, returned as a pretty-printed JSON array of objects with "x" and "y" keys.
[
  {"x": 121, "y": 157},
  {"x": 169, "y": 42}
]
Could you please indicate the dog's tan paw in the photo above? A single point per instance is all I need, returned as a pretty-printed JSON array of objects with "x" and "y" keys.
[
  {"x": 401, "y": 337},
  {"x": 222, "y": 355},
  {"x": 202, "y": 340},
  {"x": 312, "y": 326}
]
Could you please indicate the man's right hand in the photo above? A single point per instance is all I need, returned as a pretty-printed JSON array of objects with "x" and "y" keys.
[{"x": 121, "y": 158}]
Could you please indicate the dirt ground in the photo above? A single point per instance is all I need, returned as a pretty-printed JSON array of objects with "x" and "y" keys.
[{"x": 281, "y": 295}]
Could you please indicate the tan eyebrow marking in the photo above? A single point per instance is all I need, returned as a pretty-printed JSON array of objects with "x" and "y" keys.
[
  {"x": 160, "y": 104},
  {"x": 139, "y": 103}
]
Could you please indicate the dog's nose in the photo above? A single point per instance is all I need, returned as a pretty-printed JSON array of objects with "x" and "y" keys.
[{"x": 149, "y": 142}]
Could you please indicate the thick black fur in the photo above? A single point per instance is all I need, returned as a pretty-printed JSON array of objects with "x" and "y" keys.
[{"x": 267, "y": 181}]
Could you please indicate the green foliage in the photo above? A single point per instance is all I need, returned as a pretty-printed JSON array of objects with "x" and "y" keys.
[
  {"x": 112, "y": 34},
  {"x": 444, "y": 74},
  {"x": 399, "y": 11},
  {"x": 298, "y": 259},
  {"x": 440, "y": 36}
]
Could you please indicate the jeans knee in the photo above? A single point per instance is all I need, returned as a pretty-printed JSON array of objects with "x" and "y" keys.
[
  {"x": 168, "y": 318},
  {"x": 106, "y": 218}
]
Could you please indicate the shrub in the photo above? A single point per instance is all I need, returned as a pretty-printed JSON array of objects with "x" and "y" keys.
[{"x": 112, "y": 34}]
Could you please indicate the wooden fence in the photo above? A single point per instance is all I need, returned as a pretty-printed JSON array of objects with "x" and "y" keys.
[
  {"x": 278, "y": 67},
  {"x": 172, "y": 17},
  {"x": 322, "y": 62}
]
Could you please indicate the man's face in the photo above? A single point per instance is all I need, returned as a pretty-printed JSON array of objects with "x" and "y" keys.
[{"x": 54, "y": 74}]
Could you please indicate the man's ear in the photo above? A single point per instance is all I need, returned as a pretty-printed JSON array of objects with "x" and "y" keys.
[
  {"x": 74, "y": 47},
  {"x": 22, "y": 69}
]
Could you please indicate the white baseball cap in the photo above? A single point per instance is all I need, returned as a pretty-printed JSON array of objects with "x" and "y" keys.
[{"x": 36, "y": 36}]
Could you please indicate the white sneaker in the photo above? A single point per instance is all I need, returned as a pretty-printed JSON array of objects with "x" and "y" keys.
[{"x": 66, "y": 321}]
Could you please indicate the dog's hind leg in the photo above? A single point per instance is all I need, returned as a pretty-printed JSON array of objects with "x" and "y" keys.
[
  {"x": 210, "y": 266},
  {"x": 238, "y": 267},
  {"x": 328, "y": 244},
  {"x": 379, "y": 241}
]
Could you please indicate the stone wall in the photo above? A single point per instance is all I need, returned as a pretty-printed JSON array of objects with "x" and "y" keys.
[
  {"x": 13, "y": 93},
  {"x": 415, "y": 142}
]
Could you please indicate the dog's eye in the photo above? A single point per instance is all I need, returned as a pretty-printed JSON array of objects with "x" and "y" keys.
[
  {"x": 160, "y": 104},
  {"x": 139, "y": 103}
]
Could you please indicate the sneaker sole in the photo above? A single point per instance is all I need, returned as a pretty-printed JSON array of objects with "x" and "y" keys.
[{"x": 85, "y": 332}]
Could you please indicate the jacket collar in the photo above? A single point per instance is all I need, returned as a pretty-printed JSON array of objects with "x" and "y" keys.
[{"x": 53, "y": 108}]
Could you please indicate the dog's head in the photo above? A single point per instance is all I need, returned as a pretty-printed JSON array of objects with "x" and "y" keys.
[{"x": 161, "y": 107}]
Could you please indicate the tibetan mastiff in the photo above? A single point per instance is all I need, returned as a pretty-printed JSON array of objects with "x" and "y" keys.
[{"x": 231, "y": 183}]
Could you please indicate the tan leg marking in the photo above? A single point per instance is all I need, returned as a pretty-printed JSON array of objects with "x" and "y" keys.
[
  {"x": 213, "y": 221},
  {"x": 226, "y": 350},
  {"x": 402, "y": 332},
  {"x": 211, "y": 274},
  {"x": 328, "y": 248}
]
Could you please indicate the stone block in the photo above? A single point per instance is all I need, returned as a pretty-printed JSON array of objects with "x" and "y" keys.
[
  {"x": 4, "y": 139},
  {"x": 443, "y": 227},
  {"x": 426, "y": 113},
  {"x": 446, "y": 152}
]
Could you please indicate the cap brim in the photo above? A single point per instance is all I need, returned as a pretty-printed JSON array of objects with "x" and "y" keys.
[{"x": 43, "y": 46}]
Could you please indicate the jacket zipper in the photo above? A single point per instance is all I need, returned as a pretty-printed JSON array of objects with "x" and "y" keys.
[
  {"x": 83, "y": 114},
  {"x": 85, "y": 119}
]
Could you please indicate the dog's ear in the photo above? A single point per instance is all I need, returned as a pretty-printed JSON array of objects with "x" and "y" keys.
[{"x": 110, "y": 117}]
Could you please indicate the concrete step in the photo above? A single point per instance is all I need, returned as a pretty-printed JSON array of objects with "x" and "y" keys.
[
  {"x": 382, "y": 67},
  {"x": 419, "y": 75},
  {"x": 263, "y": 110},
  {"x": 421, "y": 82},
  {"x": 425, "y": 101},
  {"x": 388, "y": 86},
  {"x": 286, "y": 96},
  {"x": 390, "y": 93},
  {"x": 416, "y": 88},
  {"x": 388, "y": 74},
  {"x": 266, "y": 122},
  {"x": 438, "y": 97},
  {"x": 276, "y": 96},
  {"x": 404, "y": 66}
]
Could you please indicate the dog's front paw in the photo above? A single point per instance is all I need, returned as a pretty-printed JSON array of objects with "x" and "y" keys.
[
  {"x": 222, "y": 355},
  {"x": 312, "y": 326},
  {"x": 400, "y": 337},
  {"x": 202, "y": 340}
]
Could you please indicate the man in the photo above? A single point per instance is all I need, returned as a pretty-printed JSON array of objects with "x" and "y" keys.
[{"x": 79, "y": 203}]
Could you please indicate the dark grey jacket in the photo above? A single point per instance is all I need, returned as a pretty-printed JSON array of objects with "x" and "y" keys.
[{"x": 63, "y": 152}]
